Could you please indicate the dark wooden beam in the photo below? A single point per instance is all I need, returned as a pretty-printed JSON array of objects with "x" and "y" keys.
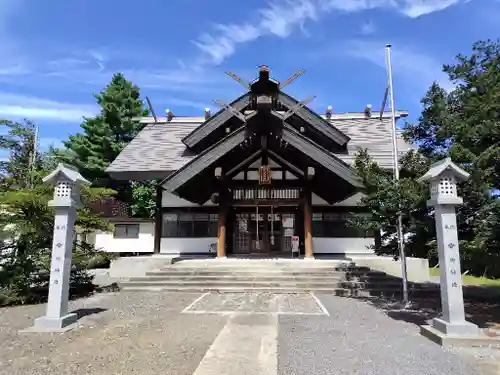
[
  {"x": 234, "y": 171},
  {"x": 275, "y": 184},
  {"x": 291, "y": 168},
  {"x": 214, "y": 122},
  {"x": 204, "y": 160},
  {"x": 321, "y": 156},
  {"x": 314, "y": 119},
  {"x": 263, "y": 145}
]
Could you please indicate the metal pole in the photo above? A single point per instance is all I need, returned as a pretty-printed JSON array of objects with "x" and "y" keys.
[
  {"x": 402, "y": 256},
  {"x": 257, "y": 243}
]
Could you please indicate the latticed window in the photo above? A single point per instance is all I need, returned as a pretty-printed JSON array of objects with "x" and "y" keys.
[{"x": 190, "y": 224}]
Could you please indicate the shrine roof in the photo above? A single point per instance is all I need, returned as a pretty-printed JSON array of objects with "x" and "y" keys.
[{"x": 157, "y": 151}]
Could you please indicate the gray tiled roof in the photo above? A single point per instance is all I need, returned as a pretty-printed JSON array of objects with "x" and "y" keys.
[{"x": 158, "y": 147}]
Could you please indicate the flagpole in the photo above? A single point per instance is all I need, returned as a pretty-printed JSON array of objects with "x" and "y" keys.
[{"x": 402, "y": 256}]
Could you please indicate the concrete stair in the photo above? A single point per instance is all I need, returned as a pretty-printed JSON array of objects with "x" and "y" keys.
[{"x": 340, "y": 277}]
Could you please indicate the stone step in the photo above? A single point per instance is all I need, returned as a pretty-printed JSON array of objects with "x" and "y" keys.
[
  {"x": 263, "y": 267},
  {"x": 343, "y": 292},
  {"x": 255, "y": 273},
  {"x": 309, "y": 284},
  {"x": 264, "y": 278},
  {"x": 303, "y": 265},
  {"x": 263, "y": 263}
]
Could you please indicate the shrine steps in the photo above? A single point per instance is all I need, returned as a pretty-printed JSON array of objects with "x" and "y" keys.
[{"x": 341, "y": 278}]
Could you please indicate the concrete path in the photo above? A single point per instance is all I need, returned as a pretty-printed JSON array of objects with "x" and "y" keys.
[{"x": 225, "y": 334}]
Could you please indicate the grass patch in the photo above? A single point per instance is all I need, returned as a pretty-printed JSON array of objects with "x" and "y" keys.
[{"x": 471, "y": 280}]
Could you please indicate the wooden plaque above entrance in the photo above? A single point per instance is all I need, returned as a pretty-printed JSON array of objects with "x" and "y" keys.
[{"x": 265, "y": 175}]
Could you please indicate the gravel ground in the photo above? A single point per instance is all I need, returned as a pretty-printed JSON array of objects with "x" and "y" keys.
[
  {"x": 146, "y": 333},
  {"x": 135, "y": 334},
  {"x": 358, "y": 339}
]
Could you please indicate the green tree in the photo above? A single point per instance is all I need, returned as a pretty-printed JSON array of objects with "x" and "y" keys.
[
  {"x": 106, "y": 135},
  {"x": 463, "y": 124},
  {"x": 385, "y": 199},
  {"x": 143, "y": 199},
  {"x": 26, "y": 221},
  {"x": 19, "y": 142}
]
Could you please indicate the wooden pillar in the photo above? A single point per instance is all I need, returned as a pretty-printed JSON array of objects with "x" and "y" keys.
[
  {"x": 221, "y": 232},
  {"x": 308, "y": 223},
  {"x": 158, "y": 219},
  {"x": 223, "y": 210}
]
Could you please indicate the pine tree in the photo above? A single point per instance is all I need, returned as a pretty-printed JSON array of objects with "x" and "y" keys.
[
  {"x": 19, "y": 142},
  {"x": 106, "y": 135},
  {"x": 385, "y": 199},
  {"x": 465, "y": 125}
]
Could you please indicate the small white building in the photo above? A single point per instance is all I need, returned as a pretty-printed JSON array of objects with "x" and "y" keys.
[{"x": 128, "y": 236}]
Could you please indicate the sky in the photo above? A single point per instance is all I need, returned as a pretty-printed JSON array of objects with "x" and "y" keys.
[{"x": 55, "y": 54}]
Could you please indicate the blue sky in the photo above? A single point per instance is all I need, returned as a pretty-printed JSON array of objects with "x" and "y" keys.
[{"x": 55, "y": 53}]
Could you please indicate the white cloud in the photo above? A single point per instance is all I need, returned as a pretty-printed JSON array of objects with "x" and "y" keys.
[
  {"x": 90, "y": 68},
  {"x": 417, "y": 8},
  {"x": 368, "y": 28},
  {"x": 200, "y": 105},
  {"x": 197, "y": 77},
  {"x": 35, "y": 108},
  {"x": 281, "y": 17},
  {"x": 415, "y": 67}
]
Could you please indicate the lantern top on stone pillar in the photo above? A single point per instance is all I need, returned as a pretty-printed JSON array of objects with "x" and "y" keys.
[
  {"x": 67, "y": 181},
  {"x": 65, "y": 172},
  {"x": 443, "y": 177}
]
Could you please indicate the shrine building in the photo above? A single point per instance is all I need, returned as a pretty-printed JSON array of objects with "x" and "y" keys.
[{"x": 264, "y": 169}]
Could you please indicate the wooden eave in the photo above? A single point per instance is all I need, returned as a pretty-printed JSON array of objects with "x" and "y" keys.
[
  {"x": 321, "y": 155},
  {"x": 204, "y": 164},
  {"x": 215, "y": 121},
  {"x": 315, "y": 120},
  {"x": 204, "y": 160}
]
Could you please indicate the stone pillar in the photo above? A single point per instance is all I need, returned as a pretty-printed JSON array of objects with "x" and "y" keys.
[
  {"x": 67, "y": 182},
  {"x": 443, "y": 177}
]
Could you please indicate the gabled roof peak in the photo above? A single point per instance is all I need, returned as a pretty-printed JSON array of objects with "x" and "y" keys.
[
  {"x": 442, "y": 166},
  {"x": 67, "y": 171}
]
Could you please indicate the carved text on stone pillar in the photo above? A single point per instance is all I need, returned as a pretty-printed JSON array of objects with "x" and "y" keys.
[{"x": 443, "y": 177}]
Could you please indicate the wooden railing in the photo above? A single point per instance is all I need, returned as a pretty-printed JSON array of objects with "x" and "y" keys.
[{"x": 266, "y": 193}]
